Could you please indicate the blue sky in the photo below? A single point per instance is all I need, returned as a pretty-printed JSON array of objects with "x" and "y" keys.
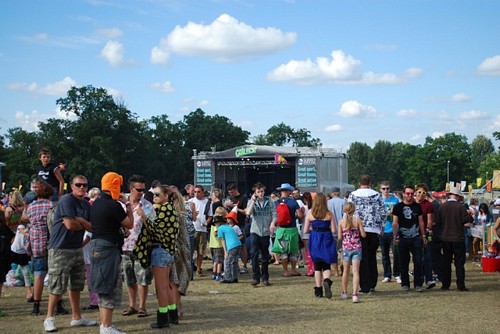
[{"x": 345, "y": 70}]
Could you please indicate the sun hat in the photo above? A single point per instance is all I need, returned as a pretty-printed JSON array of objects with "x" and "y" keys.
[
  {"x": 286, "y": 186},
  {"x": 455, "y": 191}
]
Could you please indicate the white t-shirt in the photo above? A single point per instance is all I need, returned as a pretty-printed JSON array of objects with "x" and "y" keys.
[
  {"x": 200, "y": 224},
  {"x": 18, "y": 243}
]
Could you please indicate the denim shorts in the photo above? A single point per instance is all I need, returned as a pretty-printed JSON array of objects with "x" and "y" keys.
[
  {"x": 351, "y": 255},
  {"x": 161, "y": 258},
  {"x": 40, "y": 267}
]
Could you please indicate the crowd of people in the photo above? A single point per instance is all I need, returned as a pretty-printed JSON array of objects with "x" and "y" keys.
[{"x": 107, "y": 237}]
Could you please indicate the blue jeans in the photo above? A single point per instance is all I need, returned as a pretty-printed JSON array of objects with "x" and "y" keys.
[
  {"x": 427, "y": 259},
  {"x": 413, "y": 246},
  {"x": 386, "y": 244},
  {"x": 231, "y": 268},
  {"x": 260, "y": 245}
]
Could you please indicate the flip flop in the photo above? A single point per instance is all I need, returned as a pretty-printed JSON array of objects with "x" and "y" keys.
[
  {"x": 285, "y": 274},
  {"x": 129, "y": 311},
  {"x": 296, "y": 274},
  {"x": 142, "y": 313}
]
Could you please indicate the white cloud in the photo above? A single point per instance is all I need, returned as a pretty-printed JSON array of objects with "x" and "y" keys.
[
  {"x": 160, "y": 56},
  {"x": 114, "y": 52},
  {"x": 472, "y": 115},
  {"x": 225, "y": 39},
  {"x": 437, "y": 134},
  {"x": 406, "y": 113},
  {"x": 57, "y": 88},
  {"x": 29, "y": 121},
  {"x": 490, "y": 66},
  {"x": 165, "y": 87},
  {"x": 356, "y": 109},
  {"x": 203, "y": 103},
  {"x": 339, "y": 68},
  {"x": 494, "y": 125},
  {"x": 461, "y": 97},
  {"x": 110, "y": 32},
  {"x": 334, "y": 128},
  {"x": 415, "y": 138}
]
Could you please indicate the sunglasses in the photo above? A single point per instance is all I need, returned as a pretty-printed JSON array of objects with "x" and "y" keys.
[
  {"x": 157, "y": 194},
  {"x": 80, "y": 185},
  {"x": 410, "y": 194},
  {"x": 421, "y": 192},
  {"x": 141, "y": 190},
  {"x": 385, "y": 188}
]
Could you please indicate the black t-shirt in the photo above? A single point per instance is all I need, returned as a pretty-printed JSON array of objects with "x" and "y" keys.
[
  {"x": 408, "y": 219},
  {"x": 243, "y": 201},
  {"x": 47, "y": 173},
  {"x": 106, "y": 216}
]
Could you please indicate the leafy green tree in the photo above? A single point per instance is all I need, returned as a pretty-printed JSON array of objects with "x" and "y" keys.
[
  {"x": 429, "y": 163},
  {"x": 401, "y": 155},
  {"x": 488, "y": 165},
  {"x": 282, "y": 134},
  {"x": 360, "y": 155},
  {"x": 496, "y": 134},
  {"x": 105, "y": 136},
  {"x": 203, "y": 132},
  {"x": 480, "y": 147},
  {"x": 381, "y": 162},
  {"x": 21, "y": 158}
]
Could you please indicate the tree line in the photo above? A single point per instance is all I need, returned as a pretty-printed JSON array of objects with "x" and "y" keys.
[{"x": 106, "y": 136}]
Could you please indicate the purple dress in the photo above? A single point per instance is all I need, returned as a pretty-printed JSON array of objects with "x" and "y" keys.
[{"x": 322, "y": 246}]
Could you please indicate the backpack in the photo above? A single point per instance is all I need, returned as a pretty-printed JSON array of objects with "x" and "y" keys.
[
  {"x": 283, "y": 212},
  {"x": 51, "y": 214}
]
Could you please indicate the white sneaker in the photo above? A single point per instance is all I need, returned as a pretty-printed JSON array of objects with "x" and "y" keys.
[
  {"x": 386, "y": 280},
  {"x": 355, "y": 299},
  {"x": 50, "y": 324},
  {"x": 398, "y": 279},
  {"x": 343, "y": 296},
  {"x": 83, "y": 322},
  {"x": 110, "y": 330}
]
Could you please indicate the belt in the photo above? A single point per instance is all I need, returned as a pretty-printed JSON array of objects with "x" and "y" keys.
[
  {"x": 128, "y": 253},
  {"x": 157, "y": 246},
  {"x": 321, "y": 229}
]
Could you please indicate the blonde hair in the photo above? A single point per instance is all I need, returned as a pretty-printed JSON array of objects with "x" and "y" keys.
[
  {"x": 319, "y": 208},
  {"x": 178, "y": 200},
  {"x": 220, "y": 211},
  {"x": 349, "y": 209},
  {"x": 16, "y": 199}
]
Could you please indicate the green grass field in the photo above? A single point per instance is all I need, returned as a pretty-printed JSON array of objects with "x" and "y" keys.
[{"x": 289, "y": 306}]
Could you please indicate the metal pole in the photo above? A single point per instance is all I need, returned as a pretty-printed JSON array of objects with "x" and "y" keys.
[{"x": 448, "y": 172}]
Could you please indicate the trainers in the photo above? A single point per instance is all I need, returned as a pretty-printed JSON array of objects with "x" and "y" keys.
[
  {"x": 50, "y": 324},
  {"x": 343, "y": 296},
  {"x": 82, "y": 322},
  {"x": 386, "y": 280},
  {"x": 244, "y": 270},
  {"x": 406, "y": 288},
  {"x": 255, "y": 282},
  {"x": 419, "y": 289},
  {"x": 266, "y": 283},
  {"x": 109, "y": 330},
  {"x": 431, "y": 284},
  {"x": 355, "y": 299},
  {"x": 398, "y": 279}
]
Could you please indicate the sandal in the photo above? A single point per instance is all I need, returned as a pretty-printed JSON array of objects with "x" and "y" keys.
[
  {"x": 129, "y": 311},
  {"x": 142, "y": 313}
]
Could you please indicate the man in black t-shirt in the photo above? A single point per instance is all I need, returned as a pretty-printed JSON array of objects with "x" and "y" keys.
[
  {"x": 409, "y": 231},
  {"x": 108, "y": 218},
  {"x": 235, "y": 198}
]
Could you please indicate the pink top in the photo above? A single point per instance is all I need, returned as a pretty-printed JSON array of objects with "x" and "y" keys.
[{"x": 350, "y": 239}]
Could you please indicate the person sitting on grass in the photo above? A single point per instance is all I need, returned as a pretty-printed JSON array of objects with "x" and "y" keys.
[
  {"x": 232, "y": 246},
  {"x": 351, "y": 228}
]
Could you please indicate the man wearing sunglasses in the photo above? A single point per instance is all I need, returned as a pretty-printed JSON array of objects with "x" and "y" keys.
[
  {"x": 409, "y": 232},
  {"x": 137, "y": 278},
  {"x": 386, "y": 240},
  {"x": 428, "y": 216},
  {"x": 65, "y": 261}
]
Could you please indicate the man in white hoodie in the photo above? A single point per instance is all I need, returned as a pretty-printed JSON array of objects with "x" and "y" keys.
[{"x": 371, "y": 210}]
